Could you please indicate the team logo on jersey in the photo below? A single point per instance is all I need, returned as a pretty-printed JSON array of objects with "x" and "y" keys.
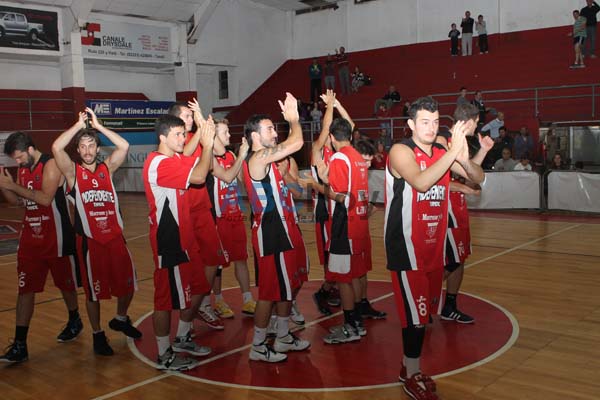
[
  {"x": 431, "y": 229},
  {"x": 102, "y": 224},
  {"x": 84, "y": 176},
  {"x": 37, "y": 229},
  {"x": 101, "y": 175},
  {"x": 423, "y": 165},
  {"x": 37, "y": 178},
  {"x": 182, "y": 192}
]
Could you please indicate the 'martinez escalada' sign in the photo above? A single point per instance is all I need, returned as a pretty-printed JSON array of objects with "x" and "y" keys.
[
  {"x": 128, "y": 114},
  {"x": 126, "y": 41}
]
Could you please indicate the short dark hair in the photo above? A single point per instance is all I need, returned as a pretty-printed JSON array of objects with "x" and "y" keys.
[
  {"x": 87, "y": 132},
  {"x": 17, "y": 141},
  {"x": 466, "y": 112},
  {"x": 175, "y": 108},
  {"x": 480, "y": 16},
  {"x": 164, "y": 123},
  {"x": 502, "y": 128},
  {"x": 365, "y": 147},
  {"x": 341, "y": 129},
  {"x": 426, "y": 103},
  {"x": 253, "y": 125},
  {"x": 462, "y": 88}
]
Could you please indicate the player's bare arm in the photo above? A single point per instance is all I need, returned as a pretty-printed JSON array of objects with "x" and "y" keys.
[
  {"x": 6, "y": 187},
  {"x": 329, "y": 100},
  {"x": 343, "y": 113},
  {"x": 119, "y": 154},
  {"x": 228, "y": 175},
  {"x": 463, "y": 165},
  {"x": 51, "y": 180},
  {"x": 206, "y": 135},
  {"x": 199, "y": 120},
  {"x": 485, "y": 143},
  {"x": 63, "y": 161},
  {"x": 461, "y": 187}
]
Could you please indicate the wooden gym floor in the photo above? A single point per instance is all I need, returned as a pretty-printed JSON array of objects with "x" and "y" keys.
[{"x": 544, "y": 270}]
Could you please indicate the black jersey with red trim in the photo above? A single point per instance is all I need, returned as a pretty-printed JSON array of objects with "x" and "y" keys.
[
  {"x": 47, "y": 231},
  {"x": 320, "y": 203},
  {"x": 416, "y": 223}
]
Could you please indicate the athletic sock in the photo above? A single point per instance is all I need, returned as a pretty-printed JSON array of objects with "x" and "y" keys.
[
  {"x": 205, "y": 301},
  {"x": 74, "y": 314},
  {"x": 183, "y": 328},
  {"x": 349, "y": 317},
  {"x": 450, "y": 300},
  {"x": 282, "y": 326},
  {"x": 163, "y": 344},
  {"x": 122, "y": 318},
  {"x": 247, "y": 296},
  {"x": 260, "y": 335},
  {"x": 21, "y": 333},
  {"x": 413, "y": 365}
]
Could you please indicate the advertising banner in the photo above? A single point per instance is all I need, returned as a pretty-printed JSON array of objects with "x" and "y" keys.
[
  {"x": 126, "y": 41},
  {"x": 128, "y": 114},
  {"x": 28, "y": 29}
]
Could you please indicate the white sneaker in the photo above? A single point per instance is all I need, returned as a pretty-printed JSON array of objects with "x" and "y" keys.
[
  {"x": 264, "y": 352},
  {"x": 295, "y": 315},
  {"x": 185, "y": 344},
  {"x": 290, "y": 342},
  {"x": 174, "y": 362}
]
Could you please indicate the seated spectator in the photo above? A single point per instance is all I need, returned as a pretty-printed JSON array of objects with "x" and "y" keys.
[
  {"x": 380, "y": 157},
  {"x": 392, "y": 96},
  {"x": 557, "y": 162},
  {"x": 357, "y": 136},
  {"x": 506, "y": 163},
  {"x": 366, "y": 149},
  {"x": 493, "y": 127},
  {"x": 358, "y": 79},
  {"x": 523, "y": 164},
  {"x": 385, "y": 137}
]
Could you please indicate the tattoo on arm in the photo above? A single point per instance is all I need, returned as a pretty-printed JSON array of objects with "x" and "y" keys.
[{"x": 272, "y": 151}]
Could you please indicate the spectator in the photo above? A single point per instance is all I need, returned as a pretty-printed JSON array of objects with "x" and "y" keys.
[
  {"x": 358, "y": 79},
  {"x": 579, "y": 34},
  {"x": 480, "y": 26},
  {"x": 523, "y": 164},
  {"x": 316, "y": 114},
  {"x": 504, "y": 139},
  {"x": 405, "y": 109},
  {"x": 558, "y": 163},
  {"x": 478, "y": 102},
  {"x": 343, "y": 71},
  {"x": 462, "y": 99},
  {"x": 494, "y": 126},
  {"x": 329, "y": 73},
  {"x": 384, "y": 115},
  {"x": 392, "y": 96},
  {"x": 467, "y": 34},
  {"x": 506, "y": 163},
  {"x": 453, "y": 35},
  {"x": 380, "y": 157},
  {"x": 315, "y": 72},
  {"x": 523, "y": 143},
  {"x": 551, "y": 145},
  {"x": 589, "y": 12}
]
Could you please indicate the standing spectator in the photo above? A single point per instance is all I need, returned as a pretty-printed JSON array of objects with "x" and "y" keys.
[
  {"x": 358, "y": 79},
  {"x": 589, "y": 12},
  {"x": 480, "y": 26},
  {"x": 523, "y": 144},
  {"x": 551, "y": 145},
  {"x": 462, "y": 99},
  {"x": 478, "y": 102},
  {"x": 316, "y": 114},
  {"x": 343, "y": 71},
  {"x": 523, "y": 164},
  {"x": 494, "y": 126},
  {"x": 384, "y": 115},
  {"x": 579, "y": 34},
  {"x": 315, "y": 71},
  {"x": 392, "y": 96},
  {"x": 467, "y": 34},
  {"x": 453, "y": 35},
  {"x": 506, "y": 163},
  {"x": 329, "y": 73}
]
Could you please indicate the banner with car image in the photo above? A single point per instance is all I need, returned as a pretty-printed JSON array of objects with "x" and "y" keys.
[{"x": 28, "y": 29}]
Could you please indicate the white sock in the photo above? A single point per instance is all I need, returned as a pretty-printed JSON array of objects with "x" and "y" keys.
[
  {"x": 282, "y": 326},
  {"x": 163, "y": 344},
  {"x": 205, "y": 301},
  {"x": 413, "y": 366},
  {"x": 183, "y": 328},
  {"x": 260, "y": 335},
  {"x": 219, "y": 297},
  {"x": 247, "y": 296},
  {"x": 121, "y": 318}
]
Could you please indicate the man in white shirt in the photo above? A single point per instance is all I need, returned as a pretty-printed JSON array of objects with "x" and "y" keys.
[{"x": 494, "y": 125}]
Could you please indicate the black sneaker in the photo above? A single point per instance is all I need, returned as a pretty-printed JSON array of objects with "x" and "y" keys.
[
  {"x": 101, "y": 346},
  {"x": 366, "y": 311},
  {"x": 125, "y": 327},
  {"x": 71, "y": 331},
  {"x": 454, "y": 314},
  {"x": 320, "y": 298},
  {"x": 15, "y": 353}
]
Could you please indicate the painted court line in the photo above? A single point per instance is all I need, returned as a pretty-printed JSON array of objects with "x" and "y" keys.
[{"x": 493, "y": 356}]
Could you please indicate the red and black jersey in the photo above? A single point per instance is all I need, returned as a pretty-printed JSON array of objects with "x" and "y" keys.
[
  {"x": 199, "y": 198},
  {"x": 166, "y": 180},
  {"x": 97, "y": 213},
  {"x": 224, "y": 196},
  {"x": 273, "y": 215},
  {"x": 349, "y": 174},
  {"x": 320, "y": 206},
  {"x": 47, "y": 231},
  {"x": 416, "y": 223}
]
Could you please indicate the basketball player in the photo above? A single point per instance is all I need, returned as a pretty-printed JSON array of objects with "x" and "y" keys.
[
  {"x": 47, "y": 241},
  {"x": 230, "y": 220},
  {"x": 349, "y": 245},
  {"x": 276, "y": 238},
  {"x": 106, "y": 265},
  {"x": 179, "y": 280},
  {"x": 458, "y": 240},
  {"x": 416, "y": 214}
]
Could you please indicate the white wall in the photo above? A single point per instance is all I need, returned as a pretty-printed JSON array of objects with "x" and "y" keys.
[
  {"x": 24, "y": 75},
  {"x": 385, "y": 23},
  {"x": 158, "y": 87}
]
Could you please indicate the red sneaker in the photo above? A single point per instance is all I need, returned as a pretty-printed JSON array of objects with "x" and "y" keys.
[
  {"x": 208, "y": 316},
  {"x": 430, "y": 383},
  {"x": 417, "y": 389}
]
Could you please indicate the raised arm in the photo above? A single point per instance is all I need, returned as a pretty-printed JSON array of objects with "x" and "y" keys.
[
  {"x": 51, "y": 180},
  {"x": 317, "y": 147},
  {"x": 344, "y": 114},
  {"x": 63, "y": 161},
  {"x": 199, "y": 120},
  {"x": 206, "y": 136},
  {"x": 228, "y": 175},
  {"x": 119, "y": 154},
  {"x": 485, "y": 143},
  {"x": 466, "y": 167}
]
